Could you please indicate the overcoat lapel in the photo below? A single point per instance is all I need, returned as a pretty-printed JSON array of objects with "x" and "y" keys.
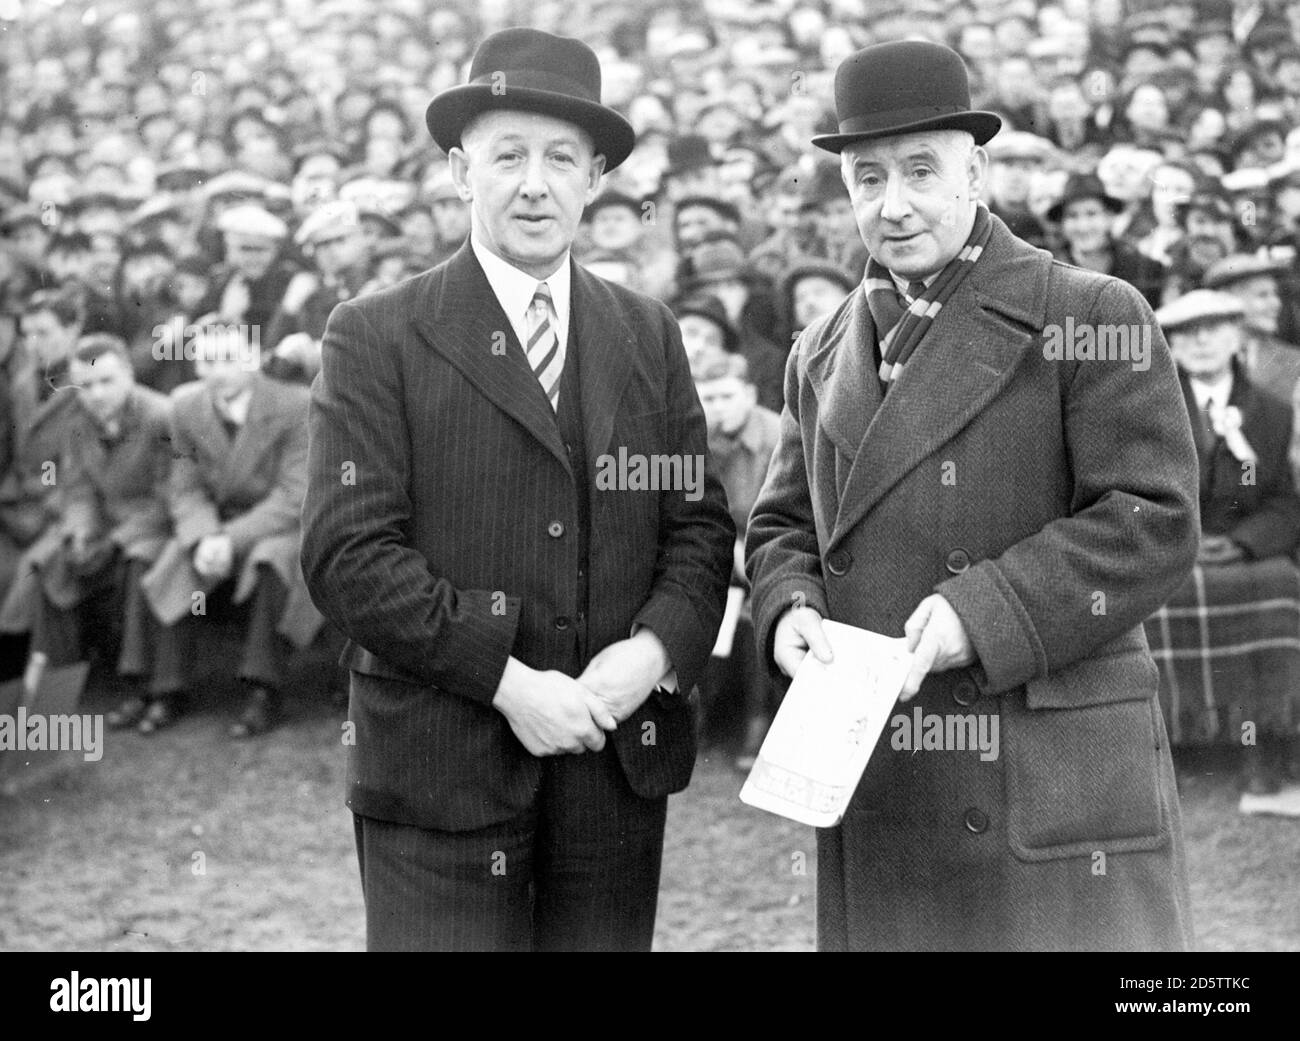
[{"x": 461, "y": 318}]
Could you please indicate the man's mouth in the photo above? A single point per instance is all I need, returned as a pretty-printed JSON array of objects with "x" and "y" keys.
[
  {"x": 899, "y": 239},
  {"x": 534, "y": 219}
]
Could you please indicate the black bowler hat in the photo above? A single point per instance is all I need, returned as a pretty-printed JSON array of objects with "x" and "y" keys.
[
  {"x": 534, "y": 71},
  {"x": 904, "y": 87}
]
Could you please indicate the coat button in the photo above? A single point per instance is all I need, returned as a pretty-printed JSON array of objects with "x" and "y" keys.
[
  {"x": 965, "y": 693},
  {"x": 976, "y": 821},
  {"x": 839, "y": 561},
  {"x": 562, "y": 623},
  {"x": 958, "y": 561},
  {"x": 555, "y": 529}
]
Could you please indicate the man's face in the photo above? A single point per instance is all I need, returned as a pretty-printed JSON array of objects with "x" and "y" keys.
[
  {"x": 727, "y": 404},
  {"x": 1010, "y": 178},
  {"x": 696, "y": 223},
  {"x": 452, "y": 219},
  {"x": 250, "y": 255},
  {"x": 1260, "y": 298},
  {"x": 527, "y": 178},
  {"x": 48, "y": 340},
  {"x": 913, "y": 197},
  {"x": 29, "y": 240},
  {"x": 340, "y": 248},
  {"x": 615, "y": 227},
  {"x": 220, "y": 362},
  {"x": 105, "y": 255},
  {"x": 1086, "y": 225},
  {"x": 1206, "y": 348},
  {"x": 813, "y": 297},
  {"x": 102, "y": 385},
  {"x": 699, "y": 336}
]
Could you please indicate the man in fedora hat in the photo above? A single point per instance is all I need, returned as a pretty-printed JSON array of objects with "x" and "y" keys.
[
  {"x": 949, "y": 473},
  {"x": 523, "y": 638}
]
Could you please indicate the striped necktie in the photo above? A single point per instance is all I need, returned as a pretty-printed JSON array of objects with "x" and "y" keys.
[{"x": 545, "y": 355}]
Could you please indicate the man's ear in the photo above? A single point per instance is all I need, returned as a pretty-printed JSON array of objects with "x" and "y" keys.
[
  {"x": 977, "y": 170},
  {"x": 458, "y": 163},
  {"x": 594, "y": 173}
]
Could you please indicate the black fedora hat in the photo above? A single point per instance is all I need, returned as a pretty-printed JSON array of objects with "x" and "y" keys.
[
  {"x": 904, "y": 87},
  {"x": 1083, "y": 186},
  {"x": 534, "y": 71}
]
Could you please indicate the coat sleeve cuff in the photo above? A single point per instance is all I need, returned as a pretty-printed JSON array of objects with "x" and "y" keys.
[{"x": 1000, "y": 629}]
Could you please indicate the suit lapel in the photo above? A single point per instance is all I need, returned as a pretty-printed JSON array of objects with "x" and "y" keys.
[
  {"x": 608, "y": 353},
  {"x": 966, "y": 358},
  {"x": 461, "y": 318}
]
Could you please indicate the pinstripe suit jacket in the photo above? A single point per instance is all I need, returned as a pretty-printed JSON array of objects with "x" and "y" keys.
[{"x": 439, "y": 533}]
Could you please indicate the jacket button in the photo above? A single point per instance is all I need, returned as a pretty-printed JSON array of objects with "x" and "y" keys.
[
  {"x": 976, "y": 821},
  {"x": 958, "y": 561},
  {"x": 965, "y": 693},
  {"x": 555, "y": 529},
  {"x": 562, "y": 623},
  {"x": 839, "y": 561}
]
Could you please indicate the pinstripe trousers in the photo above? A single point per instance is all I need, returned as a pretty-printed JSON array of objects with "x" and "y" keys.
[{"x": 578, "y": 871}]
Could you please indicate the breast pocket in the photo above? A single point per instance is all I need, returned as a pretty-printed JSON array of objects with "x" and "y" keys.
[{"x": 1082, "y": 761}]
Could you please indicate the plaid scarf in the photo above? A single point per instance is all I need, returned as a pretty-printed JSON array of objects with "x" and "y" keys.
[{"x": 899, "y": 331}]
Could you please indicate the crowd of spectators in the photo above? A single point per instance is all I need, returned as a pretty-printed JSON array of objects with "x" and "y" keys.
[{"x": 173, "y": 166}]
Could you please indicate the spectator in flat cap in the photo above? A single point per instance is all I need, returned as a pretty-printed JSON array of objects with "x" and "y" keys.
[
  {"x": 828, "y": 213},
  {"x": 251, "y": 281},
  {"x": 1269, "y": 361},
  {"x": 1085, "y": 214},
  {"x": 333, "y": 238},
  {"x": 1220, "y": 640},
  {"x": 1015, "y": 158}
]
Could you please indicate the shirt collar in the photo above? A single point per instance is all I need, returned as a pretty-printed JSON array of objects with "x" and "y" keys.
[{"x": 514, "y": 289}]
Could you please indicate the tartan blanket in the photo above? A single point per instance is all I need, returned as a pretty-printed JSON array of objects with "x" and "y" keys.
[{"x": 1228, "y": 647}]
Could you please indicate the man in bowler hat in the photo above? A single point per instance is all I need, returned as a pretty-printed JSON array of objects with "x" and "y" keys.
[
  {"x": 522, "y": 642},
  {"x": 1015, "y": 512}
]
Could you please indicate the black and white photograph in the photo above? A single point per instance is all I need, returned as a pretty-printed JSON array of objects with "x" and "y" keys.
[{"x": 704, "y": 476}]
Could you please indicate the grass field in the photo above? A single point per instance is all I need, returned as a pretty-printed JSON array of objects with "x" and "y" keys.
[{"x": 107, "y": 856}]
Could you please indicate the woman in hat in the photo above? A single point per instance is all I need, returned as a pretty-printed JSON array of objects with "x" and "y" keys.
[{"x": 1086, "y": 213}]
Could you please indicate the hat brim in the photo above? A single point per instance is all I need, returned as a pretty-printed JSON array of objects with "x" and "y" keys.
[
  {"x": 451, "y": 111},
  {"x": 981, "y": 125},
  {"x": 1057, "y": 210}
]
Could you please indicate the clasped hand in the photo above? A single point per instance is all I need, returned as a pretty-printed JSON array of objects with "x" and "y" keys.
[{"x": 552, "y": 713}]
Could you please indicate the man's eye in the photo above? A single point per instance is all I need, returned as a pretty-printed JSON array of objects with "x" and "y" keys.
[{"x": 921, "y": 172}]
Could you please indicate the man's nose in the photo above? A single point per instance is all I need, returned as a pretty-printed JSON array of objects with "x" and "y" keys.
[
  {"x": 894, "y": 204},
  {"x": 533, "y": 183}
]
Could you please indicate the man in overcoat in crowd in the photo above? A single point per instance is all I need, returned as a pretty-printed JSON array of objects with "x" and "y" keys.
[{"x": 950, "y": 471}]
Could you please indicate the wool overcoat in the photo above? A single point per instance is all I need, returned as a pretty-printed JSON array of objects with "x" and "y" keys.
[{"x": 1053, "y": 503}]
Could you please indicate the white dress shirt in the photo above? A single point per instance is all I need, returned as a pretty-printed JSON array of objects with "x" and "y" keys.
[{"x": 514, "y": 290}]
